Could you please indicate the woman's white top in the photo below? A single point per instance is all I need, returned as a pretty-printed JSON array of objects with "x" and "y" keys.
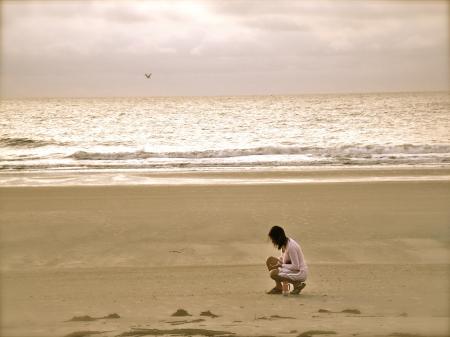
[{"x": 293, "y": 262}]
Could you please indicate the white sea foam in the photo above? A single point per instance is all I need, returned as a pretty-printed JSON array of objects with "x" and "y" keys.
[{"x": 346, "y": 150}]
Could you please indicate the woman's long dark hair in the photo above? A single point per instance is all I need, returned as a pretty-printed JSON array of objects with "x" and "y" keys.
[{"x": 278, "y": 237}]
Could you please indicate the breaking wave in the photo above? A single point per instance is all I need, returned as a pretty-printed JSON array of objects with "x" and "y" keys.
[
  {"x": 19, "y": 142},
  {"x": 351, "y": 151}
]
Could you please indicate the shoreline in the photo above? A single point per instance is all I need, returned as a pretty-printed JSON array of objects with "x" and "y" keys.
[{"x": 283, "y": 175}]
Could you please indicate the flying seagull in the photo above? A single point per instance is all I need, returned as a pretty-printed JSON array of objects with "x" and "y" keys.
[{"x": 148, "y": 75}]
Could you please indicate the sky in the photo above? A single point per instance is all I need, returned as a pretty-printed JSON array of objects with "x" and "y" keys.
[{"x": 203, "y": 48}]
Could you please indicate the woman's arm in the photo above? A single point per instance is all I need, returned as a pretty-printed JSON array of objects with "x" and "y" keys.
[{"x": 294, "y": 257}]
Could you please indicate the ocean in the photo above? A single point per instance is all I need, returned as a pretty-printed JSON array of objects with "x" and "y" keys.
[{"x": 216, "y": 133}]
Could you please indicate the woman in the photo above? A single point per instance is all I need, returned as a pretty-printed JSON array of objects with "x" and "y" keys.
[{"x": 290, "y": 266}]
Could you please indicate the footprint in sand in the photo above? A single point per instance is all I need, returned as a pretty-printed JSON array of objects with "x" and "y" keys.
[
  {"x": 199, "y": 320},
  {"x": 208, "y": 314},
  {"x": 351, "y": 311},
  {"x": 311, "y": 333},
  {"x": 84, "y": 333},
  {"x": 184, "y": 313},
  {"x": 281, "y": 317},
  {"x": 181, "y": 313},
  {"x": 345, "y": 311},
  {"x": 87, "y": 318},
  {"x": 84, "y": 318},
  {"x": 178, "y": 332}
]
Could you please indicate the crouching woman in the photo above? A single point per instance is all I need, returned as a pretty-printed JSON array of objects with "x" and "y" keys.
[{"x": 290, "y": 266}]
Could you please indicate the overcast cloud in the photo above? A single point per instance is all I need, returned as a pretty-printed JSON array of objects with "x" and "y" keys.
[{"x": 103, "y": 48}]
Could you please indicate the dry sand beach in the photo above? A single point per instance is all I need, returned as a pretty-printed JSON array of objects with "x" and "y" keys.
[{"x": 377, "y": 249}]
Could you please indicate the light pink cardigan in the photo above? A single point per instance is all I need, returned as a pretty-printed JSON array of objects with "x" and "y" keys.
[{"x": 293, "y": 262}]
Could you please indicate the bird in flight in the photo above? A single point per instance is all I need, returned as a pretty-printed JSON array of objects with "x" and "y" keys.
[{"x": 148, "y": 75}]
